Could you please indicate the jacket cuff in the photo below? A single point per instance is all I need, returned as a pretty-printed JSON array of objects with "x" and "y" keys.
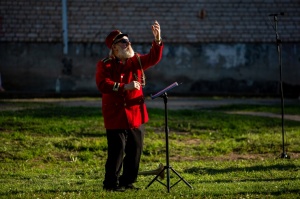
[
  {"x": 155, "y": 43},
  {"x": 116, "y": 86}
]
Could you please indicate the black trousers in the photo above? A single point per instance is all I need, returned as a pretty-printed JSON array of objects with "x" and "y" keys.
[{"x": 125, "y": 147}]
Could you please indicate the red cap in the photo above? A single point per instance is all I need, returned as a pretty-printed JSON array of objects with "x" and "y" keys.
[{"x": 112, "y": 37}]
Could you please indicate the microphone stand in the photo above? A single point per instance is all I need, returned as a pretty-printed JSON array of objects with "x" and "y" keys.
[
  {"x": 163, "y": 94},
  {"x": 278, "y": 43}
]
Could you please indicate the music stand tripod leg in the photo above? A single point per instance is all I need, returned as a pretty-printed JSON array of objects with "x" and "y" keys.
[
  {"x": 181, "y": 178},
  {"x": 155, "y": 178}
]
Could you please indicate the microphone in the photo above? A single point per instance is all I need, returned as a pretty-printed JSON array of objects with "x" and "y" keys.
[{"x": 276, "y": 14}]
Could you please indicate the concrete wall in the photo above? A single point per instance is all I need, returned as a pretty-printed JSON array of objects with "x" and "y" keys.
[{"x": 203, "y": 68}]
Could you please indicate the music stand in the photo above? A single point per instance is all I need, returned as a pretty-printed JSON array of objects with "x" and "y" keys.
[
  {"x": 278, "y": 44},
  {"x": 163, "y": 94}
]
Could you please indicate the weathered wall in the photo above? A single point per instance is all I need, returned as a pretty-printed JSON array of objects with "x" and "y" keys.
[
  {"x": 204, "y": 69},
  {"x": 213, "y": 47}
]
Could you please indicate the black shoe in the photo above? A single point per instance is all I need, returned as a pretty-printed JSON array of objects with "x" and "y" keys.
[
  {"x": 115, "y": 188},
  {"x": 131, "y": 187}
]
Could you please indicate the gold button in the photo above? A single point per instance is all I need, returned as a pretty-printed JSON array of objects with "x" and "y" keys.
[{"x": 124, "y": 104}]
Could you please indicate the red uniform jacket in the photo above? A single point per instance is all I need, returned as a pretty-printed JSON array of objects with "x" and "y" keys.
[{"x": 124, "y": 109}]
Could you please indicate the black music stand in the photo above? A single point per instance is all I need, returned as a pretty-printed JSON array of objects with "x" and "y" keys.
[
  {"x": 163, "y": 94},
  {"x": 278, "y": 45}
]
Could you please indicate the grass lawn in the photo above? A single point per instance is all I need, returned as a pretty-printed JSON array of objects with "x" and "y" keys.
[{"x": 52, "y": 151}]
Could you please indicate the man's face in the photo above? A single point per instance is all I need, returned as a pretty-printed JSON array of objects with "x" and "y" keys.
[{"x": 122, "y": 48}]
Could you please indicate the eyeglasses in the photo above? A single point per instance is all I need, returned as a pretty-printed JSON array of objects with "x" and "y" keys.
[{"x": 123, "y": 41}]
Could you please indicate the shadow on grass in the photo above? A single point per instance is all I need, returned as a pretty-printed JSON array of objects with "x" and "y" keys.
[
  {"x": 42, "y": 191},
  {"x": 80, "y": 191},
  {"x": 261, "y": 193},
  {"x": 57, "y": 112},
  {"x": 212, "y": 171}
]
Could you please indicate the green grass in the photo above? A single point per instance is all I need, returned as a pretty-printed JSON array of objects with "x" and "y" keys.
[{"x": 49, "y": 151}]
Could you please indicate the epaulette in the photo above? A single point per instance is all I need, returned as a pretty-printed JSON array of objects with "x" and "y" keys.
[{"x": 106, "y": 59}]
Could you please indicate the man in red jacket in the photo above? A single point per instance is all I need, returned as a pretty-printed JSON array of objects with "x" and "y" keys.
[{"x": 120, "y": 78}]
